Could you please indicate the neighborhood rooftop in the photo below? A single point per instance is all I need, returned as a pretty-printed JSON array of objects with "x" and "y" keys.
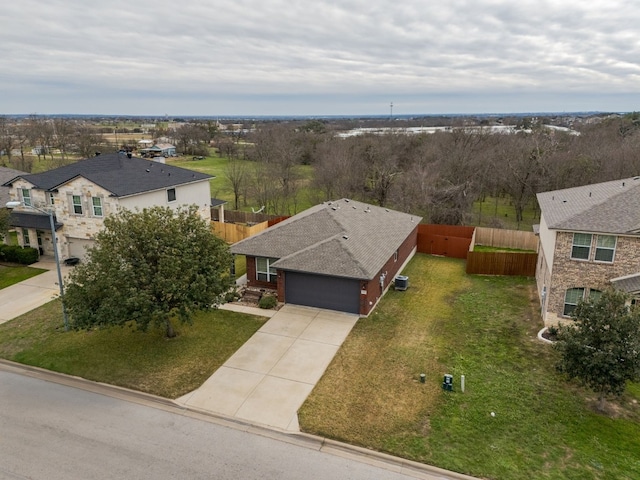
[
  {"x": 610, "y": 207},
  {"x": 116, "y": 173},
  {"x": 344, "y": 238}
]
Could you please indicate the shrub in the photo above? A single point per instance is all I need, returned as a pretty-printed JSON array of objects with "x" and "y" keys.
[
  {"x": 268, "y": 301},
  {"x": 17, "y": 254}
]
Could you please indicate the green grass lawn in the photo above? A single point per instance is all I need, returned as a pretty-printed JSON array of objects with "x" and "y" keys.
[
  {"x": 10, "y": 275},
  {"x": 499, "y": 212},
  {"x": 484, "y": 328},
  {"x": 144, "y": 361},
  {"x": 221, "y": 188},
  {"x": 485, "y": 248}
]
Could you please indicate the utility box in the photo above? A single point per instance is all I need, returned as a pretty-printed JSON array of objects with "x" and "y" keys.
[
  {"x": 401, "y": 282},
  {"x": 447, "y": 382}
]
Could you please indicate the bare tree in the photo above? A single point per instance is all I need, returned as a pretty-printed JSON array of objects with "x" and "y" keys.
[{"x": 236, "y": 173}]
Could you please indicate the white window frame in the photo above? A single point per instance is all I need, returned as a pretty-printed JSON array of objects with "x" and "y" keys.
[
  {"x": 94, "y": 207},
  {"x": 52, "y": 199},
  {"x": 571, "y": 304},
  {"x": 603, "y": 248},
  {"x": 75, "y": 205},
  {"x": 269, "y": 274},
  {"x": 575, "y": 245},
  {"x": 175, "y": 195},
  {"x": 25, "y": 193}
]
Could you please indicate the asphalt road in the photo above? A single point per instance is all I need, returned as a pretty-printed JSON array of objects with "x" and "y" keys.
[{"x": 53, "y": 431}]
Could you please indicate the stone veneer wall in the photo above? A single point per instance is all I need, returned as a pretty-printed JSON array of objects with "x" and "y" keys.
[{"x": 568, "y": 273}]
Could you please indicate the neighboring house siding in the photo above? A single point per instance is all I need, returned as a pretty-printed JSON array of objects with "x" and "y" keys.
[
  {"x": 569, "y": 273},
  {"x": 192, "y": 193}
]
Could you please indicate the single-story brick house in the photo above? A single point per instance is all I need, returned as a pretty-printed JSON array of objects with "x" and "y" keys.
[{"x": 339, "y": 255}]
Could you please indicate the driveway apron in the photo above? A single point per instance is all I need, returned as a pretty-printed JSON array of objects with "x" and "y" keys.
[{"x": 267, "y": 380}]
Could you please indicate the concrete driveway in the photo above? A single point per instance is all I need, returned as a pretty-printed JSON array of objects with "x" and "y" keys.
[
  {"x": 31, "y": 293},
  {"x": 267, "y": 380}
]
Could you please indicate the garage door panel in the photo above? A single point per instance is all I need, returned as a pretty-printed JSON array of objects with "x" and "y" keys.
[
  {"x": 320, "y": 291},
  {"x": 78, "y": 247}
]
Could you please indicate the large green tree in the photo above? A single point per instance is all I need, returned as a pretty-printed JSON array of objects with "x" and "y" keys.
[
  {"x": 601, "y": 348},
  {"x": 149, "y": 267}
]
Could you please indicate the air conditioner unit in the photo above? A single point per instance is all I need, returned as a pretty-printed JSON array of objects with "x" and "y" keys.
[{"x": 401, "y": 282}]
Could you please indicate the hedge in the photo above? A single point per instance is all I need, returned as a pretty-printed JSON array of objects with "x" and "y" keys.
[{"x": 17, "y": 254}]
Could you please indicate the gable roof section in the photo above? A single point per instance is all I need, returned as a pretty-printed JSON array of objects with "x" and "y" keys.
[
  {"x": 117, "y": 173},
  {"x": 343, "y": 238},
  {"x": 608, "y": 207},
  {"x": 7, "y": 174}
]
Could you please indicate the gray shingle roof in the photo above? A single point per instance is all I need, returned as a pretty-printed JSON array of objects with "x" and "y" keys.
[
  {"x": 629, "y": 284},
  {"x": 39, "y": 221},
  {"x": 7, "y": 174},
  {"x": 608, "y": 207},
  {"x": 314, "y": 240},
  {"x": 117, "y": 173}
]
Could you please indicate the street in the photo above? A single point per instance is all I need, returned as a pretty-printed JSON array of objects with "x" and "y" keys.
[{"x": 53, "y": 431}]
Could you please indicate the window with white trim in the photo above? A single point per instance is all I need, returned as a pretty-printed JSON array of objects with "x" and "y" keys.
[
  {"x": 594, "y": 295},
  {"x": 571, "y": 298},
  {"x": 581, "y": 248},
  {"x": 605, "y": 248},
  {"x": 96, "y": 204},
  {"x": 264, "y": 271},
  {"x": 52, "y": 200},
  {"x": 26, "y": 196},
  {"x": 77, "y": 204},
  {"x": 171, "y": 195},
  {"x": 26, "y": 241}
]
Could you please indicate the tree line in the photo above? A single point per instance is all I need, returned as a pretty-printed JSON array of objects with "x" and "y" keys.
[
  {"x": 438, "y": 175},
  {"x": 283, "y": 164}
]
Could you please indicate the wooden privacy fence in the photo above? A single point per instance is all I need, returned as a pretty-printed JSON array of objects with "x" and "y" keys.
[
  {"x": 234, "y": 232},
  {"x": 237, "y": 216},
  {"x": 502, "y": 263},
  {"x": 496, "y": 237},
  {"x": 447, "y": 240}
]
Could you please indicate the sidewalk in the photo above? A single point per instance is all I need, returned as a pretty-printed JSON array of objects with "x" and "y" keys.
[{"x": 32, "y": 293}]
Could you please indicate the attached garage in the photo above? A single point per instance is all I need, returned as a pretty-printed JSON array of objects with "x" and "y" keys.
[
  {"x": 78, "y": 247},
  {"x": 332, "y": 293}
]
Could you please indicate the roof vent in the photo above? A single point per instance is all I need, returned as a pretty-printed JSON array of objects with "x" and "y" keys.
[
  {"x": 636, "y": 178},
  {"x": 386, "y": 209},
  {"x": 353, "y": 206},
  {"x": 623, "y": 184},
  {"x": 148, "y": 170},
  {"x": 346, "y": 237},
  {"x": 564, "y": 201},
  {"x": 334, "y": 208},
  {"x": 346, "y": 200}
]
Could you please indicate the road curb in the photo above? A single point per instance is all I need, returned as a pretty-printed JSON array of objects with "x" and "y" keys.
[{"x": 306, "y": 440}]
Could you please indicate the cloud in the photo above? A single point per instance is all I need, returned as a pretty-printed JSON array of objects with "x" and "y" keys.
[{"x": 120, "y": 54}]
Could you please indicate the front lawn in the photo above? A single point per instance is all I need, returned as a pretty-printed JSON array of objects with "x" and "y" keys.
[
  {"x": 10, "y": 275},
  {"x": 484, "y": 328},
  {"x": 144, "y": 361}
]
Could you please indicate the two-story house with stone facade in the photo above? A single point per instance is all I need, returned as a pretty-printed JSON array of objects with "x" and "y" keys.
[
  {"x": 589, "y": 240},
  {"x": 82, "y": 194}
]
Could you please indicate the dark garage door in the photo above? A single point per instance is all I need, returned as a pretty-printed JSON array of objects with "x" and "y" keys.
[{"x": 332, "y": 293}]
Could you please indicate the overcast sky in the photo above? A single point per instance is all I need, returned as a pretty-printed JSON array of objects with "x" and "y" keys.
[{"x": 299, "y": 57}]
